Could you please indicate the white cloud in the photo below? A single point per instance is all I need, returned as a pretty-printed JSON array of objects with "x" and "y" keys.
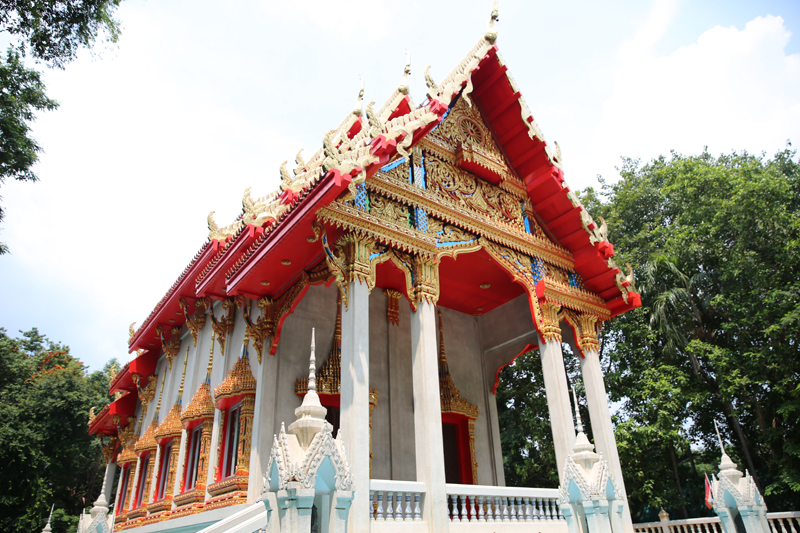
[{"x": 731, "y": 90}]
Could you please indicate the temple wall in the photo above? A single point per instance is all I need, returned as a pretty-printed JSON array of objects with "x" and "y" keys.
[
  {"x": 472, "y": 353},
  {"x": 462, "y": 346}
]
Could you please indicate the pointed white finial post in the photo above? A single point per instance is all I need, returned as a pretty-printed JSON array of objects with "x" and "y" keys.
[
  {"x": 577, "y": 412},
  {"x": 312, "y": 365},
  {"x": 721, "y": 447},
  {"x": 47, "y": 528},
  {"x": 311, "y": 414}
]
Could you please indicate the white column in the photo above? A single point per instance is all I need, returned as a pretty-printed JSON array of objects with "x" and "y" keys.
[
  {"x": 558, "y": 404},
  {"x": 176, "y": 488},
  {"x": 602, "y": 429},
  {"x": 263, "y": 422},
  {"x": 212, "y": 453},
  {"x": 135, "y": 484},
  {"x": 155, "y": 460},
  {"x": 428, "y": 416},
  {"x": 355, "y": 400},
  {"x": 120, "y": 483}
]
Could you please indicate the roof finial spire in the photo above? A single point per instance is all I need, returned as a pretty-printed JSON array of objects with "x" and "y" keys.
[
  {"x": 491, "y": 32},
  {"x": 577, "y": 412},
  {"x": 47, "y": 527},
  {"x": 403, "y": 88},
  {"x": 312, "y": 365},
  {"x": 358, "y": 110},
  {"x": 310, "y": 415},
  {"x": 721, "y": 446}
]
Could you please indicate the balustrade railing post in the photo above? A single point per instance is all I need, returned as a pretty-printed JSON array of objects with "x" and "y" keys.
[
  {"x": 417, "y": 510},
  {"x": 372, "y": 505},
  {"x": 398, "y": 512},
  {"x": 379, "y": 512}
]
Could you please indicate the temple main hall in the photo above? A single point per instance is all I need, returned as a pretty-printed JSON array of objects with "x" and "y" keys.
[{"x": 328, "y": 361}]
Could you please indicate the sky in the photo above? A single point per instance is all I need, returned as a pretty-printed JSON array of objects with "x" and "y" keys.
[{"x": 199, "y": 100}]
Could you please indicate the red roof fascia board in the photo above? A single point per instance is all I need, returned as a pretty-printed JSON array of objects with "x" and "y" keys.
[
  {"x": 544, "y": 181},
  {"x": 168, "y": 307},
  {"x": 122, "y": 381},
  {"x": 325, "y": 191},
  {"x": 145, "y": 364},
  {"x": 213, "y": 283},
  {"x": 104, "y": 421}
]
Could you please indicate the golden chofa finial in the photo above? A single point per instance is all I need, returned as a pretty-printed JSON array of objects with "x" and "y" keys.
[
  {"x": 491, "y": 32},
  {"x": 131, "y": 332},
  {"x": 403, "y": 88},
  {"x": 358, "y": 109}
]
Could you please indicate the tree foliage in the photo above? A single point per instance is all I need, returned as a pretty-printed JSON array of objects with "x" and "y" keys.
[
  {"x": 46, "y": 454},
  {"x": 51, "y": 31},
  {"x": 54, "y": 30},
  {"x": 715, "y": 242}
]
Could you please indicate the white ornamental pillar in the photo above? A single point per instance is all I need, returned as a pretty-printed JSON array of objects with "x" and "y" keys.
[
  {"x": 101, "y": 504},
  {"x": 135, "y": 487},
  {"x": 428, "y": 416},
  {"x": 558, "y": 404},
  {"x": 354, "y": 421},
  {"x": 599, "y": 412}
]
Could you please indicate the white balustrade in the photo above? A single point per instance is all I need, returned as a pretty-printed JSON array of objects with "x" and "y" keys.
[
  {"x": 479, "y": 503},
  {"x": 784, "y": 522},
  {"x": 778, "y": 523},
  {"x": 396, "y": 501}
]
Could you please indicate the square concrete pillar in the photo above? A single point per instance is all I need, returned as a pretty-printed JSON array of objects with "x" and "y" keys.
[
  {"x": 602, "y": 429},
  {"x": 558, "y": 404},
  {"x": 354, "y": 414},
  {"x": 428, "y": 416}
]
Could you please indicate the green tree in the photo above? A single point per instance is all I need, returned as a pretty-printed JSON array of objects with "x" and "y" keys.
[
  {"x": 51, "y": 31},
  {"x": 717, "y": 248},
  {"x": 46, "y": 454},
  {"x": 715, "y": 242}
]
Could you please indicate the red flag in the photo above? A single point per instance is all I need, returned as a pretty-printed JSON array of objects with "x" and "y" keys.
[{"x": 709, "y": 495}]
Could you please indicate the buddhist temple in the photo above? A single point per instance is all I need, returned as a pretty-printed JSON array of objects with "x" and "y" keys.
[{"x": 426, "y": 245}]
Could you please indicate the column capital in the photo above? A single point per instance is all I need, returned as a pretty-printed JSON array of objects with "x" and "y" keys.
[
  {"x": 588, "y": 337},
  {"x": 349, "y": 261},
  {"x": 550, "y": 319},
  {"x": 426, "y": 279}
]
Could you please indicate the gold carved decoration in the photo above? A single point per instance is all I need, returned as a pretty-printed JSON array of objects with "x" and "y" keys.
[
  {"x": 197, "y": 321},
  {"x": 426, "y": 279},
  {"x": 201, "y": 405},
  {"x": 146, "y": 393},
  {"x": 550, "y": 328},
  {"x": 224, "y": 326},
  {"x": 467, "y": 191},
  {"x": 239, "y": 381},
  {"x": 586, "y": 330},
  {"x": 393, "y": 306},
  {"x": 109, "y": 447},
  {"x": 172, "y": 346},
  {"x": 392, "y": 211}
]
